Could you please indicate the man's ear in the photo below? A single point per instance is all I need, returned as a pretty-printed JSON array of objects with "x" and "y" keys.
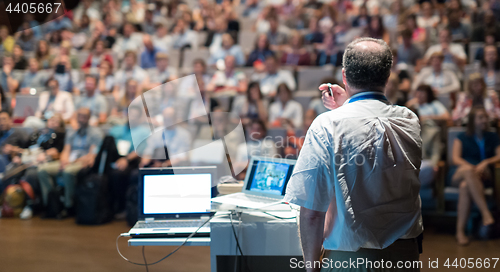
[{"x": 344, "y": 80}]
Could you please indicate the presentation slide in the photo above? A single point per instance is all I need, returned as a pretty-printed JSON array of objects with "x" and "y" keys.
[{"x": 269, "y": 177}]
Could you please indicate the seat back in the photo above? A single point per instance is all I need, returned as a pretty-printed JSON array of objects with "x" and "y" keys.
[
  {"x": 452, "y": 135},
  {"x": 309, "y": 78}
]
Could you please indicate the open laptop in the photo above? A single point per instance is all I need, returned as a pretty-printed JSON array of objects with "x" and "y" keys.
[
  {"x": 174, "y": 202},
  {"x": 265, "y": 183}
]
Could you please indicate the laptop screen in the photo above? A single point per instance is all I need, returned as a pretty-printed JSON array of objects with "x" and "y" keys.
[
  {"x": 177, "y": 193},
  {"x": 269, "y": 177}
]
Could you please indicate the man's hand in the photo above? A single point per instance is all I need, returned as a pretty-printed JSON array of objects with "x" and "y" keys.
[
  {"x": 121, "y": 164},
  {"x": 338, "y": 99}
]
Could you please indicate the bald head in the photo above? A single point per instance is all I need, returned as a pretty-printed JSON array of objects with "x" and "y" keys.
[{"x": 367, "y": 64}]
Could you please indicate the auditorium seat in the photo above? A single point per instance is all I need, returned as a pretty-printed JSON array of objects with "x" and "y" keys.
[{"x": 309, "y": 78}]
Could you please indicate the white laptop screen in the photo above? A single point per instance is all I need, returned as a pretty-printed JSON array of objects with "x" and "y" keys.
[
  {"x": 269, "y": 177},
  {"x": 177, "y": 193}
]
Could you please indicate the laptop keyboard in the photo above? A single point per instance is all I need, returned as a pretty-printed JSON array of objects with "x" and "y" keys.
[
  {"x": 171, "y": 224},
  {"x": 254, "y": 198}
]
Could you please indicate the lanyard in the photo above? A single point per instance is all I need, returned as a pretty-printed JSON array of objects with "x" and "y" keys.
[
  {"x": 366, "y": 96},
  {"x": 6, "y": 135}
]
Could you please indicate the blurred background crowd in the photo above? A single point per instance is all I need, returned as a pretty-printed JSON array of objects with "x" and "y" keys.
[{"x": 67, "y": 84}]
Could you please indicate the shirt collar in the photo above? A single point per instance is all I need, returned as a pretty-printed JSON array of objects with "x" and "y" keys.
[{"x": 366, "y": 95}]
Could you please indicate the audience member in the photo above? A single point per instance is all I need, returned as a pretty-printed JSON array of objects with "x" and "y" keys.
[
  {"x": 148, "y": 55},
  {"x": 130, "y": 70},
  {"x": 295, "y": 54},
  {"x": 260, "y": 52},
  {"x": 285, "y": 112},
  {"x": 454, "y": 54},
  {"x": 428, "y": 18},
  {"x": 228, "y": 80},
  {"x": 20, "y": 62},
  {"x": 106, "y": 82},
  {"x": 93, "y": 100},
  {"x": 97, "y": 56},
  {"x": 272, "y": 77},
  {"x": 228, "y": 48},
  {"x": 7, "y": 41},
  {"x": 276, "y": 37},
  {"x": 460, "y": 31},
  {"x": 252, "y": 105},
  {"x": 257, "y": 143},
  {"x": 161, "y": 39},
  {"x": 80, "y": 149},
  {"x": 33, "y": 78},
  {"x": 490, "y": 68},
  {"x": 183, "y": 37},
  {"x": 43, "y": 54},
  {"x": 329, "y": 52},
  {"x": 474, "y": 154},
  {"x": 130, "y": 41},
  {"x": 7, "y": 80},
  {"x": 427, "y": 105},
  {"x": 407, "y": 51}
]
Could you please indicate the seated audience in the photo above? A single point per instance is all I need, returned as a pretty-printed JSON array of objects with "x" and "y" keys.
[
  {"x": 295, "y": 54},
  {"x": 51, "y": 102},
  {"x": 162, "y": 72},
  {"x": 490, "y": 40},
  {"x": 106, "y": 82},
  {"x": 214, "y": 36},
  {"x": 363, "y": 19},
  {"x": 454, "y": 53},
  {"x": 161, "y": 39},
  {"x": 257, "y": 144},
  {"x": 459, "y": 30},
  {"x": 228, "y": 80},
  {"x": 427, "y": 105},
  {"x": 443, "y": 81},
  {"x": 228, "y": 48},
  {"x": 393, "y": 93},
  {"x": 428, "y": 18},
  {"x": 148, "y": 55},
  {"x": 252, "y": 105},
  {"x": 92, "y": 100},
  {"x": 418, "y": 33},
  {"x": 130, "y": 41},
  {"x": 11, "y": 139},
  {"x": 7, "y": 42},
  {"x": 376, "y": 29},
  {"x": 285, "y": 112},
  {"x": 475, "y": 152},
  {"x": 183, "y": 37},
  {"x": 118, "y": 114},
  {"x": 476, "y": 95},
  {"x": 27, "y": 38},
  {"x": 80, "y": 149},
  {"x": 33, "y": 78},
  {"x": 276, "y": 37},
  {"x": 7, "y": 81},
  {"x": 407, "y": 51},
  {"x": 43, "y": 54},
  {"x": 272, "y": 77},
  {"x": 490, "y": 25},
  {"x": 20, "y": 62},
  {"x": 314, "y": 35},
  {"x": 97, "y": 56},
  {"x": 126, "y": 136},
  {"x": 65, "y": 51},
  {"x": 260, "y": 52},
  {"x": 328, "y": 51},
  {"x": 130, "y": 70},
  {"x": 490, "y": 68}
]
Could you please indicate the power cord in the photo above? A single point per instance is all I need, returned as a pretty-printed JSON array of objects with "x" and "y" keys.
[
  {"x": 144, "y": 257},
  {"x": 279, "y": 217},
  {"x": 237, "y": 241},
  {"x": 170, "y": 254}
]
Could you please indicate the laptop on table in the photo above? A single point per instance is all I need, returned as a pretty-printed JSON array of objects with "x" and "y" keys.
[
  {"x": 174, "y": 202},
  {"x": 265, "y": 184}
]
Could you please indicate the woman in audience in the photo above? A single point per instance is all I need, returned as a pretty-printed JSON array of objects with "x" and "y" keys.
[
  {"x": 428, "y": 19},
  {"x": 97, "y": 56},
  {"x": 419, "y": 34},
  {"x": 43, "y": 55},
  {"x": 376, "y": 29},
  {"x": 490, "y": 68},
  {"x": 20, "y": 62},
  {"x": 328, "y": 51},
  {"x": 285, "y": 112},
  {"x": 427, "y": 105},
  {"x": 314, "y": 35},
  {"x": 6, "y": 41},
  {"x": 328, "y": 18},
  {"x": 295, "y": 54},
  {"x": 228, "y": 48},
  {"x": 252, "y": 105},
  {"x": 476, "y": 95},
  {"x": 260, "y": 52},
  {"x": 106, "y": 77},
  {"x": 363, "y": 19},
  {"x": 33, "y": 78},
  {"x": 475, "y": 152}
]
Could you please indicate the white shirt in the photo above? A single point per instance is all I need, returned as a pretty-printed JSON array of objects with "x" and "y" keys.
[
  {"x": 63, "y": 104},
  {"x": 292, "y": 111},
  {"x": 164, "y": 43},
  {"x": 360, "y": 164},
  {"x": 269, "y": 83},
  {"x": 445, "y": 82}
]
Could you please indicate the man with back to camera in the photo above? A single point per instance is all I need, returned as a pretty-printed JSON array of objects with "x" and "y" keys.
[{"x": 356, "y": 178}]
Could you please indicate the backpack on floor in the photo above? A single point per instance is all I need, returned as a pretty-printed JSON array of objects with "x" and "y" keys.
[
  {"x": 54, "y": 202},
  {"x": 131, "y": 206},
  {"x": 92, "y": 198}
]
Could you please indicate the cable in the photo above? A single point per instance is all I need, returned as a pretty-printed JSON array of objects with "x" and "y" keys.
[
  {"x": 144, "y": 257},
  {"x": 279, "y": 217},
  {"x": 170, "y": 254},
  {"x": 235, "y": 236}
]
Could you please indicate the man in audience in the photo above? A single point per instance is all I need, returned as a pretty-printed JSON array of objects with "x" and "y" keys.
[
  {"x": 214, "y": 37},
  {"x": 94, "y": 101},
  {"x": 454, "y": 53},
  {"x": 11, "y": 139},
  {"x": 407, "y": 52},
  {"x": 80, "y": 149},
  {"x": 130, "y": 70},
  {"x": 148, "y": 55},
  {"x": 169, "y": 146},
  {"x": 161, "y": 39},
  {"x": 162, "y": 72},
  {"x": 183, "y": 37},
  {"x": 273, "y": 77},
  {"x": 228, "y": 48},
  {"x": 276, "y": 37},
  {"x": 7, "y": 81},
  {"x": 126, "y": 136},
  {"x": 33, "y": 78},
  {"x": 491, "y": 25},
  {"x": 228, "y": 80},
  {"x": 460, "y": 31},
  {"x": 130, "y": 41}
]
